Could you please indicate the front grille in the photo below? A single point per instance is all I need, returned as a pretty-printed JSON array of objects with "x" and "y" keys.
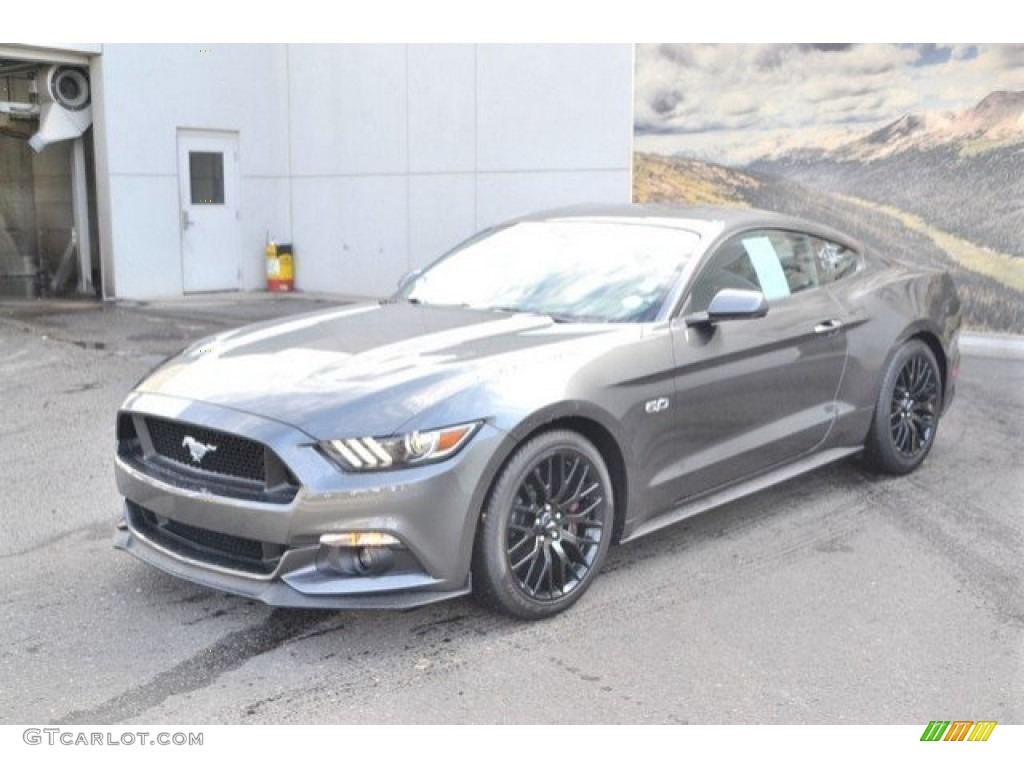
[
  {"x": 220, "y": 549},
  {"x": 226, "y": 454},
  {"x": 231, "y": 465}
]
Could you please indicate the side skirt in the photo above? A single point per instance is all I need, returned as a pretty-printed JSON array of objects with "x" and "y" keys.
[{"x": 745, "y": 488}]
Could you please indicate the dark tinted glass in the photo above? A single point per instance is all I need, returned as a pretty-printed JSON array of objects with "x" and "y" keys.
[{"x": 206, "y": 174}]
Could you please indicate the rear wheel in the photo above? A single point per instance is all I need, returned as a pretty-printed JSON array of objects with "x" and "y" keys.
[
  {"x": 546, "y": 527},
  {"x": 907, "y": 411}
]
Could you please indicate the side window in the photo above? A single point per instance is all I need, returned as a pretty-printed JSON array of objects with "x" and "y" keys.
[
  {"x": 774, "y": 262},
  {"x": 729, "y": 267},
  {"x": 797, "y": 259},
  {"x": 834, "y": 261}
]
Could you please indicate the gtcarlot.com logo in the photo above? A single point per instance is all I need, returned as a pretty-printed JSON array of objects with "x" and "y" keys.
[
  {"x": 958, "y": 730},
  {"x": 69, "y": 738}
]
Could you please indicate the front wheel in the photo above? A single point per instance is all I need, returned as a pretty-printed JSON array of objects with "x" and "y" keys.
[
  {"x": 546, "y": 527},
  {"x": 907, "y": 411}
]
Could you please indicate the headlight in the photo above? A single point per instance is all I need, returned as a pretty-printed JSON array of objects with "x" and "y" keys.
[{"x": 369, "y": 454}]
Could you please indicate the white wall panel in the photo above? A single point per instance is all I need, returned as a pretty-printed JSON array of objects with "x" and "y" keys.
[
  {"x": 348, "y": 109},
  {"x": 503, "y": 196},
  {"x": 442, "y": 108},
  {"x": 441, "y": 214},
  {"x": 554, "y": 107},
  {"x": 147, "y": 243},
  {"x": 151, "y": 90},
  {"x": 350, "y": 233}
]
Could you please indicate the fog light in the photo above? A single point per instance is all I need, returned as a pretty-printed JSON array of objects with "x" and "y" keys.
[
  {"x": 359, "y": 539},
  {"x": 372, "y": 560}
]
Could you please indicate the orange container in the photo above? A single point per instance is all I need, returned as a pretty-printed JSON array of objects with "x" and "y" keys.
[{"x": 280, "y": 268}]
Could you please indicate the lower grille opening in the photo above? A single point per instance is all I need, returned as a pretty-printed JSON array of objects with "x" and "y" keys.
[{"x": 220, "y": 549}]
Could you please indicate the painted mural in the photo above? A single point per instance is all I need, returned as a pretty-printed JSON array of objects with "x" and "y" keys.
[{"x": 917, "y": 150}]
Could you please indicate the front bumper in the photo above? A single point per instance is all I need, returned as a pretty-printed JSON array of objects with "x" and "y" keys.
[
  {"x": 299, "y": 583},
  {"x": 431, "y": 510}
]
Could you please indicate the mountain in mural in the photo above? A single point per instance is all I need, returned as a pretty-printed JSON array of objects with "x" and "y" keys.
[
  {"x": 962, "y": 172},
  {"x": 996, "y": 121},
  {"x": 992, "y": 288}
]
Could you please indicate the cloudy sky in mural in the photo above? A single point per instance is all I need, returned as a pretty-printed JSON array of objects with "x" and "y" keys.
[{"x": 734, "y": 103}]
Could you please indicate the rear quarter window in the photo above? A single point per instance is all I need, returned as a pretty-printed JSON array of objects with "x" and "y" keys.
[{"x": 833, "y": 261}]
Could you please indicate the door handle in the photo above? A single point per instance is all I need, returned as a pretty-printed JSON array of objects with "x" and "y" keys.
[
  {"x": 186, "y": 222},
  {"x": 827, "y": 327}
]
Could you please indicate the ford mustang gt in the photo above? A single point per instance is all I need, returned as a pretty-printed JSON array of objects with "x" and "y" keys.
[{"x": 551, "y": 386}]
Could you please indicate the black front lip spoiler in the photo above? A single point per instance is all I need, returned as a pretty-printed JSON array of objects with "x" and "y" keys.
[{"x": 308, "y": 589}]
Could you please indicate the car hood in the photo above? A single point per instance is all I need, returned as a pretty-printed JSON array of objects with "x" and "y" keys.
[{"x": 365, "y": 369}]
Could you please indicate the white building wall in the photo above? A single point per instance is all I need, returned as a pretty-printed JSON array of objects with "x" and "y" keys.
[
  {"x": 349, "y": 148},
  {"x": 148, "y": 92},
  {"x": 371, "y": 159},
  {"x": 555, "y": 127}
]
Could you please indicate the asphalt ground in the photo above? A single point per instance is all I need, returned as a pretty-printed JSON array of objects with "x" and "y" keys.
[{"x": 838, "y": 597}]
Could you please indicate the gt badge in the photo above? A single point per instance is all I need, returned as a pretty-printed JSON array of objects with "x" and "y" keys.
[{"x": 656, "y": 406}]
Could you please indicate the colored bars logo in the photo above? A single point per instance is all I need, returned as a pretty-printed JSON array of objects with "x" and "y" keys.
[{"x": 958, "y": 730}]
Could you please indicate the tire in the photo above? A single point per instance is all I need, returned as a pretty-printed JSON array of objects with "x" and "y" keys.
[
  {"x": 545, "y": 528},
  {"x": 907, "y": 411}
]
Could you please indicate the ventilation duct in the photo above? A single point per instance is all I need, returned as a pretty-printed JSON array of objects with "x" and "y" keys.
[{"x": 65, "y": 105}]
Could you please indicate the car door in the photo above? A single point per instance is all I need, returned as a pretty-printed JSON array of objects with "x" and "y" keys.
[{"x": 755, "y": 393}]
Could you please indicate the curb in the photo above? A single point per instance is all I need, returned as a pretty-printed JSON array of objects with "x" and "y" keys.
[{"x": 992, "y": 345}]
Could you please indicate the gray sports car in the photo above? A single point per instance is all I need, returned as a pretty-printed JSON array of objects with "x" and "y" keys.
[{"x": 550, "y": 386}]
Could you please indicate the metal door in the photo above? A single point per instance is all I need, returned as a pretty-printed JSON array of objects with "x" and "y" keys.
[{"x": 209, "y": 217}]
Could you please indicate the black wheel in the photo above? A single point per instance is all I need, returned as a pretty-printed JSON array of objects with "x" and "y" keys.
[
  {"x": 545, "y": 528},
  {"x": 907, "y": 411}
]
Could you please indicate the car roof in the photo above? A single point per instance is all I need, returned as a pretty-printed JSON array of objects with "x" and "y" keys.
[{"x": 704, "y": 220}]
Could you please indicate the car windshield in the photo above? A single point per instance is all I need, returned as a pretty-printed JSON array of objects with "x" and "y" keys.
[{"x": 572, "y": 270}]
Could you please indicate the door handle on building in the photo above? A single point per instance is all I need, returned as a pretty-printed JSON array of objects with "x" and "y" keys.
[{"x": 186, "y": 222}]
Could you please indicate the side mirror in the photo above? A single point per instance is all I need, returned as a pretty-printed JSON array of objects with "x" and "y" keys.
[{"x": 731, "y": 304}]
